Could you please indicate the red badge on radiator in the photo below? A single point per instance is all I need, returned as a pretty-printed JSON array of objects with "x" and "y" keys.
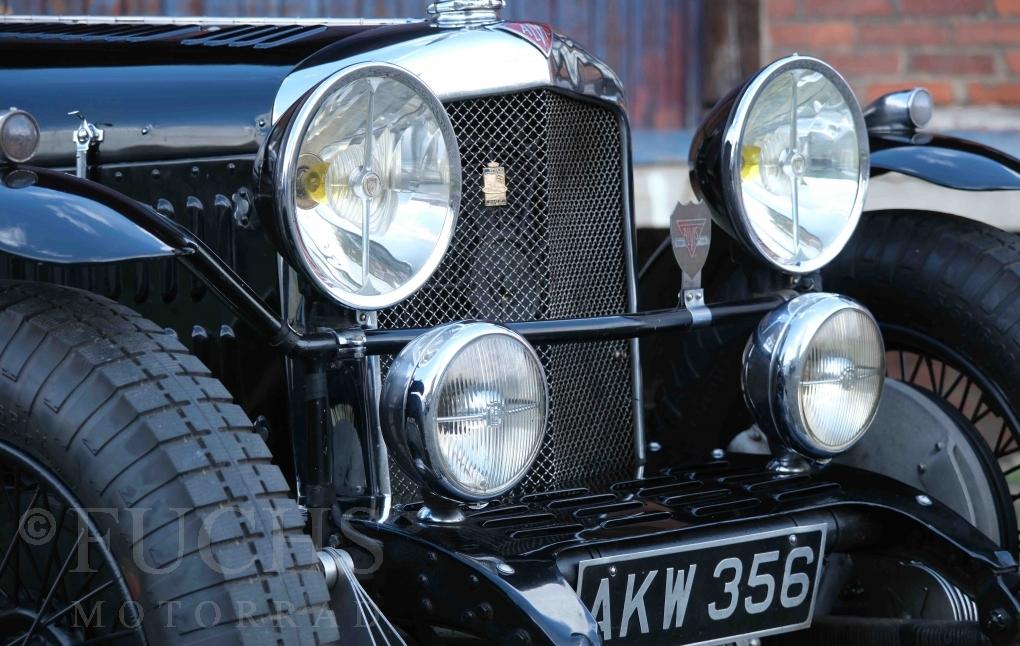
[{"x": 538, "y": 34}]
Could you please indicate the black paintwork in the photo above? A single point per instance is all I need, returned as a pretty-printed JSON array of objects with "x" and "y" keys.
[
  {"x": 52, "y": 217},
  {"x": 946, "y": 161},
  {"x": 449, "y": 575},
  {"x": 156, "y": 99},
  {"x": 183, "y": 123}
]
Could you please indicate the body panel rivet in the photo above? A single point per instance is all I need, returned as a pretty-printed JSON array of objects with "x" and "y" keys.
[
  {"x": 505, "y": 569},
  {"x": 923, "y": 500}
]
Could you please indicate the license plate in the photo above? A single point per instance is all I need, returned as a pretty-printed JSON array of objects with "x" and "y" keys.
[{"x": 706, "y": 593}]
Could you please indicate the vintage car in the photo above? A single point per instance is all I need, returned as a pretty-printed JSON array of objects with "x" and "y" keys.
[{"x": 322, "y": 331}]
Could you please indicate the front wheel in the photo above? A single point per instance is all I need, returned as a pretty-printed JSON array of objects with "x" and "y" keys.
[
  {"x": 946, "y": 292},
  {"x": 137, "y": 503}
]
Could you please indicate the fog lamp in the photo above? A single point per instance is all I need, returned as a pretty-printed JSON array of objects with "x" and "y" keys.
[
  {"x": 464, "y": 410},
  {"x": 19, "y": 135},
  {"x": 813, "y": 373}
]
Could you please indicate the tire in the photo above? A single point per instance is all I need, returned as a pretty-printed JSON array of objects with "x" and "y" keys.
[
  {"x": 203, "y": 527},
  {"x": 947, "y": 293}
]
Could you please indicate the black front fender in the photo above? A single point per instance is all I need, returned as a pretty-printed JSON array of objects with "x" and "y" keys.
[
  {"x": 49, "y": 216},
  {"x": 945, "y": 161}
]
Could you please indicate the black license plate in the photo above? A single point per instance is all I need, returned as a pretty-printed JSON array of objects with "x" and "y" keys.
[{"x": 706, "y": 593}]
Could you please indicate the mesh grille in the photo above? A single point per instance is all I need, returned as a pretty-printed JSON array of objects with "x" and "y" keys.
[{"x": 556, "y": 250}]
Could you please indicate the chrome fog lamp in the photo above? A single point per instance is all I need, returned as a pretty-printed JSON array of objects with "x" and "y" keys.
[
  {"x": 464, "y": 409},
  {"x": 813, "y": 373},
  {"x": 368, "y": 182},
  {"x": 19, "y": 135},
  {"x": 783, "y": 164}
]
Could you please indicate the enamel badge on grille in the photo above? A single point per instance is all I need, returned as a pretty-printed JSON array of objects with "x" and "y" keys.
[{"x": 494, "y": 184}]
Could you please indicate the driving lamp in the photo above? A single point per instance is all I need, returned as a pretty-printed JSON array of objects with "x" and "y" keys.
[
  {"x": 783, "y": 164},
  {"x": 813, "y": 373},
  {"x": 19, "y": 135},
  {"x": 464, "y": 410},
  {"x": 369, "y": 185}
]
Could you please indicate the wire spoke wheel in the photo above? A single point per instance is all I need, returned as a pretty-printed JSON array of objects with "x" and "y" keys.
[
  {"x": 59, "y": 583},
  {"x": 925, "y": 362}
]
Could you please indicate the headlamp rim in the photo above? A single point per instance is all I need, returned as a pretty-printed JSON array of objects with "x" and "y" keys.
[
  {"x": 790, "y": 329},
  {"x": 737, "y": 124},
  {"x": 408, "y": 402},
  {"x": 286, "y": 172}
]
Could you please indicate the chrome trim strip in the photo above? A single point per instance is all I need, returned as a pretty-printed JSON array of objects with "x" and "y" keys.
[
  {"x": 487, "y": 60},
  {"x": 205, "y": 20},
  {"x": 640, "y": 440},
  {"x": 377, "y": 469}
]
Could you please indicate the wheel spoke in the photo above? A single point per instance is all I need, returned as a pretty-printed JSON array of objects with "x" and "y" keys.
[
  {"x": 917, "y": 369},
  {"x": 55, "y": 541},
  {"x": 978, "y": 413},
  {"x": 52, "y": 617},
  {"x": 1002, "y": 440},
  {"x": 952, "y": 388},
  {"x": 15, "y": 540},
  {"x": 53, "y": 588}
]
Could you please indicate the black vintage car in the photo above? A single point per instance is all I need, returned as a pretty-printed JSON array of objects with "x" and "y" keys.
[{"x": 319, "y": 331}]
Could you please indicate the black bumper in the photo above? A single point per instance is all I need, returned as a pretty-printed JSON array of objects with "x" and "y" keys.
[{"x": 507, "y": 574}]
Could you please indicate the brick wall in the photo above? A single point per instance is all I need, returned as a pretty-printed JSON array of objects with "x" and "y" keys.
[{"x": 966, "y": 52}]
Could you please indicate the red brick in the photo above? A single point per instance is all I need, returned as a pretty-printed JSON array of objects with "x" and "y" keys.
[
  {"x": 943, "y": 7},
  {"x": 987, "y": 33},
  {"x": 863, "y": 63},
  {"x": 812, "y": 34},
  {"x": 903, "y": 32},
  {"x": 940, "y": 91},
  {"x": 847, "y": 8},
  {"x": 1007, "y": 7},
  {"x": 953, "y": 63},
  {"x": 1013, "y": 61},
  {"x": 781, "y": 8},
  {"x": 1006, "y": 93}
]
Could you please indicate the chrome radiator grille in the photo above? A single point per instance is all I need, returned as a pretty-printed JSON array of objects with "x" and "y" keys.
[{"x": 556, "y": 250}]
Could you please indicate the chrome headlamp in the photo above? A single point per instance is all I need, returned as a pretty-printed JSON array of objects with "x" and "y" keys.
[
  {"x": 464, "y": 409},
  {"x": 813, "y": 373},
  {"x": 368, "y": 183},
  {"x": 19, "y": 135},
  {"x": 783, "y": 164}
]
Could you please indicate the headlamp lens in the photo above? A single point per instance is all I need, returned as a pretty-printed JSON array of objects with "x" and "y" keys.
[
  {"x": 464, "y": 409},
  {"x": 799, "y": 166},
  {"x": 491, "y": 414},
  {"x": 841, "y": 379},
  {"x": 19, "y": 136},
  {"x": 376, "y": 187}
]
